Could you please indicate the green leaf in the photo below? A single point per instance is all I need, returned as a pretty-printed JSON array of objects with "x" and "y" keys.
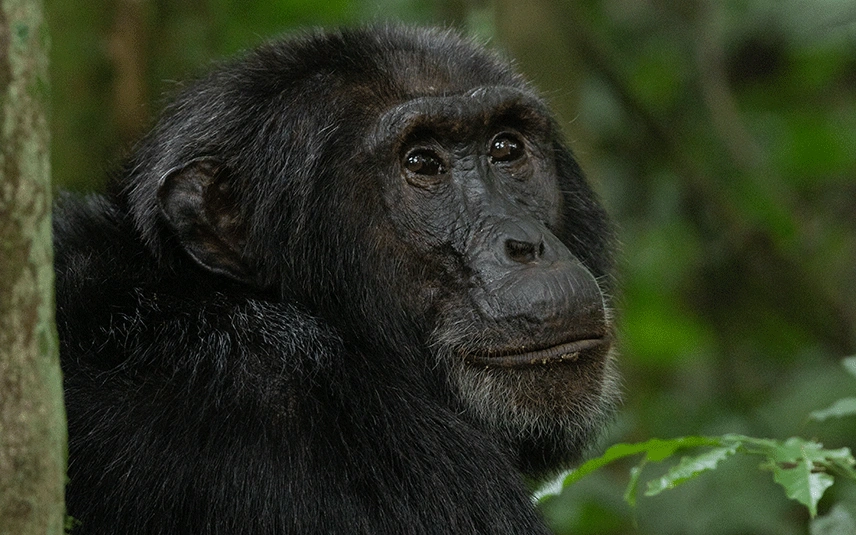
[
  {"x": 802, "y": 484},
  {"x": 758, "y": 446},
  {"x": 655, "y": 450},
  {"x": 844, "y": 466},
  {"x": 690, "y": 468},
  {"x": 842, "y": 407},
  {"x": 799, "y": 466},
  {"x": 795, "y": 448},
  {"x": 632, "y": 486},
  {"x": 850, "y": 365}
]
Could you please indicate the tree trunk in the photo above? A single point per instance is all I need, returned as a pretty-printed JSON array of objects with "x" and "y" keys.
[{"x": 32, "y": 418}]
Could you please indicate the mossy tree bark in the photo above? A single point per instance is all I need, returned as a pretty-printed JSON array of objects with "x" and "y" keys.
[{"x": 32, "y": 418}]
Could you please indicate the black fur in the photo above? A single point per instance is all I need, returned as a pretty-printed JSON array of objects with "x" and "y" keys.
[{"x": 287, "y": 373}]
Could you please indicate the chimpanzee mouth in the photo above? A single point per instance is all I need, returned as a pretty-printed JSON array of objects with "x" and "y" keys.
[{"x": 568, "y": 352}]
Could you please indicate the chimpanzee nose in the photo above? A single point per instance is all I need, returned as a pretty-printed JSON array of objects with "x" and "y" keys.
[
  {"x": 525, "y": 242},
  {"x": 524, "y": 252}
]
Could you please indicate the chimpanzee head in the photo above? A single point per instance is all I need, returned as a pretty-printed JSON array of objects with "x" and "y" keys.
[{"x": 410, "y": 189}]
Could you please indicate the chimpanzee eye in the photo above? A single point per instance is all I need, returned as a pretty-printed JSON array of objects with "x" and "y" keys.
[
  {"x": 506, "y": 148},
  {"x": 424, "y": 162}
]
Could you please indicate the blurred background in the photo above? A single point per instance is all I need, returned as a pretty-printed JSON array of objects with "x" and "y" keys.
[{"x": 720, "y": 134}]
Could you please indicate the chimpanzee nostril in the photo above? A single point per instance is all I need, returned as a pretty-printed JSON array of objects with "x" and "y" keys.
[{"x": 523, "y": 252}]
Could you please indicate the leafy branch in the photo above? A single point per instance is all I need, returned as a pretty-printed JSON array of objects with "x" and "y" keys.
[{"x": 804, "y": 468}]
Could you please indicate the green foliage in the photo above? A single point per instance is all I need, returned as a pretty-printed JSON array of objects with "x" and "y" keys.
[
  {"x": 802, "y": 467},
  {"x": 690, "y": 467},
  {"x": 842, "y": 407}
]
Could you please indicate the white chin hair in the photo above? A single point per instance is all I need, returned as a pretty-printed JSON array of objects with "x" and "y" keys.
[{"x": 513, "y": 404}]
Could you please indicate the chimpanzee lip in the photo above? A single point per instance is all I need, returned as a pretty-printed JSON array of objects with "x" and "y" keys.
[{"x": 568, "y": 352}]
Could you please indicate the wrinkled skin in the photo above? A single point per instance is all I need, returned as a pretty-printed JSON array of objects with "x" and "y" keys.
[{"x": 350, "y": 283}]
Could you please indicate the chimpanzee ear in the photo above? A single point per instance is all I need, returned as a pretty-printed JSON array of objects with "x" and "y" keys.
[{"x": 198, "y": 204}]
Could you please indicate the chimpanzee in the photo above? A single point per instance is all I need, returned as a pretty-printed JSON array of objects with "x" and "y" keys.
[{"x": 352, "y": 282}]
